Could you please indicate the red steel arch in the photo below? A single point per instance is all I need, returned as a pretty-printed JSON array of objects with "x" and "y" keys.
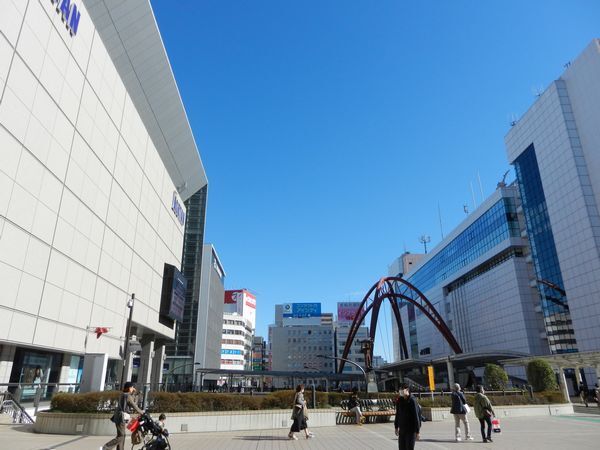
[{"x": 395, "y": 289}]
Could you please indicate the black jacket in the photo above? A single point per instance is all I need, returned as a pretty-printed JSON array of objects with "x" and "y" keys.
[{"x": 408, "y": 419}]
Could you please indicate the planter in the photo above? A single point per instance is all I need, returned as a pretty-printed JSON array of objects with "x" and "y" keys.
[
  {"x": 441, "y": 414},
  {"x": 100, "y": 425}
]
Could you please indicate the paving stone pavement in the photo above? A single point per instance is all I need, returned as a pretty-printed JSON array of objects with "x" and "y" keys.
[{"x": 574, "y": 432}]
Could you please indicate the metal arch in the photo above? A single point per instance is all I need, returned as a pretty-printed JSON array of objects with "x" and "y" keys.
[{"x": 395, "y": 288}]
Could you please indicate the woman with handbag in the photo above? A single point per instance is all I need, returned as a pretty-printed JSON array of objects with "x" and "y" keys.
[
  {"x": 299, "y": 415},
  {"x": 121, "y": 416},
  {"x": 460, "y": 409},
  {"x": 484, "y": 412}
]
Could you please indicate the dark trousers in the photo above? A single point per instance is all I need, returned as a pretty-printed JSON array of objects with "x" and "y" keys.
[
  {"x": 482, "y": 422},
  {"x": 406, "y": 441},
  {"x": 119, "y": 441}
]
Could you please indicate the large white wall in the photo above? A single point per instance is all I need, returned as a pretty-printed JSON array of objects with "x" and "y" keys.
[{"x": 85, "y": 200}]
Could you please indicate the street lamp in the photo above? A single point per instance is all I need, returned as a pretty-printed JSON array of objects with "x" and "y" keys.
[
  {"x": 425, "y": 239},
  {"x": 130, "y": 303},
  {"x": 349, "y": 362}
]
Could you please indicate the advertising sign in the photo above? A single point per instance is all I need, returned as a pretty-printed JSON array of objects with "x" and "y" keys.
[
  {"x": 242, "y": 302},
  {"x": 347, "y": 311},
  {"x": 301, "y": 310},
  {"x": 430, "y": 378},
  {"x": 172, "y": 300}
]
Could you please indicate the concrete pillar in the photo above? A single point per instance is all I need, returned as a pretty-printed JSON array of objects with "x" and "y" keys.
[
  {"x": 578, "y": 376},
  {"x": 562, "y": 381},
  {"x": 94, "y": 372},
  {"x": 145, "y": 370},
  {"x": 156, "y": 377},
  {"x": 450, "y": 368},
  {"x": 7, "y": 356}
]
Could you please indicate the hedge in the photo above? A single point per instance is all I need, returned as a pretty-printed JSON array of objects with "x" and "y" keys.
[{"x": 169, "y": 402}]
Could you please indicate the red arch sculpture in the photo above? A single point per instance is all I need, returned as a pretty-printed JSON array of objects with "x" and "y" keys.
[{"x": 395, "y": 289}]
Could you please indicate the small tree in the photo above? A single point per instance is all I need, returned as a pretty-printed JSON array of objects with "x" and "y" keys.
[
  {"x": 541, "y": 376},
  {"x": 495, "y": 377}
]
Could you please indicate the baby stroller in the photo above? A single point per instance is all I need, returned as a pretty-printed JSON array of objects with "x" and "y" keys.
[{"x": 149, "y": 434}]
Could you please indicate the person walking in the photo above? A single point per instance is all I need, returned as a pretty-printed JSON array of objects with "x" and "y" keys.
[
  {"x": 460, "y": 410},
  {"x": 597, "y": 394},
  {"x": 299, "y": 415},
  {"x": 354, "y": 406},
  {"x": 125, "y": 406},
  {"x": 408, "y": 420},
  {"x": 583, "y": 393},
  {"x": 484, "y": 412}
]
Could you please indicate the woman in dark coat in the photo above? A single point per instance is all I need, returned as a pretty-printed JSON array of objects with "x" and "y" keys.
[{"x": 299, "y": 415}]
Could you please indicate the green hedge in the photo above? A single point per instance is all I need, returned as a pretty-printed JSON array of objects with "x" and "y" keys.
[{"x": 168, "y": 402}]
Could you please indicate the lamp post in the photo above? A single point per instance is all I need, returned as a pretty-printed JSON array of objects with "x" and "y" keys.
[
  {"x": 130, "y": 304},
  {"x": 337, "y": 358}
]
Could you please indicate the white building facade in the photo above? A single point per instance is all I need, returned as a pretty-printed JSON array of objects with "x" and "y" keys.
[
  {"x": 239, "y": 323},
  {"x": 93, "y": 176},
  {"x": 555, "y": 150}
]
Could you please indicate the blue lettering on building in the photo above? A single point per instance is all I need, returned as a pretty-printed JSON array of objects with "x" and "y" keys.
[
  {"x": 69, "y": 13},
  {"x": 177, "y": 209}
]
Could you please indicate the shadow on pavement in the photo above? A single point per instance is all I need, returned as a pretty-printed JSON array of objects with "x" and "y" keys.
[
  {"x": 262, "y": 438},
  {"x": 64, "y": 443}
]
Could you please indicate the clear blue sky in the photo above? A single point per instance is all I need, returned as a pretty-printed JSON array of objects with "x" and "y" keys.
[{"x": 331, "y": 130}]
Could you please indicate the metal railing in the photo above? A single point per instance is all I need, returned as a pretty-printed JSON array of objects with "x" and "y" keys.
[{"x": 9, "y": 405}]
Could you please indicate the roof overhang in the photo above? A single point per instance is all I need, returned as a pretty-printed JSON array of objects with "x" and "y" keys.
[
  {"x": 130, "y": 33},
  {"x": 564, "y": 360}
]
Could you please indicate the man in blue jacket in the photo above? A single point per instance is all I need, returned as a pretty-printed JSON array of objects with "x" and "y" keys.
[{"x": 408, "y": 419}]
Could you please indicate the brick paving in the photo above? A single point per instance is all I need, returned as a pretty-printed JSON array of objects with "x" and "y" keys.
[{"x": 579, "y": 431}]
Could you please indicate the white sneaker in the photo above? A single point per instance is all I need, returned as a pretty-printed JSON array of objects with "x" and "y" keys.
[
  {"x": 310, "y": 436},
  {"x": 458, "y": 439},
  {"x": 469, "y": 438}
]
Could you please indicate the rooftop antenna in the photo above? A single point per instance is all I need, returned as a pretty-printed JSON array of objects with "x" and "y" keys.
[
  {"x": 480, "y": 186},
  {"x": 502, "y": 183},
  {"x": 567, "y": 64},
  {"x": 440, "y": 217},
  {"x": 537, "y": 91},
  {"x": 513, "y": 119},
  {"x": 424, "y": 239},
  {"x": 466, "y": 208}
]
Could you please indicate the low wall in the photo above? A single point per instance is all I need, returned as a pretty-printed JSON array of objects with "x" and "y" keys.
[
  {"x": 100, "y": 425},
  {"x": 441, "y": 414}
]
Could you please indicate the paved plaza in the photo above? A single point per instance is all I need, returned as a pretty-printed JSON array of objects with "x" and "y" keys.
[{"x": 579, "y": 431}]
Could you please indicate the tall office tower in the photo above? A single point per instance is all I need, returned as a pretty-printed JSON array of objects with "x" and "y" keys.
[
  {"x": 479, "y": 279},
  {"x": 260, "y": 357},
  {"x": 180, "y": 352},
  {"x": 346, "y": 312},
  {"x": 554, "y": 148},
  {"x": 97, "y": 158},
  {"x": 239, "y": 321}
]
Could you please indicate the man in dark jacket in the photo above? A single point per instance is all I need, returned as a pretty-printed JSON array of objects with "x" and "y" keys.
[{"x": 408, "y": 419}]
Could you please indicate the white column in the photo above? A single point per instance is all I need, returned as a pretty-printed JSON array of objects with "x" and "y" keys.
[
  {"x": 562, "y": 381},
  {"x": 145, "y": 370},
  {"x": 578, "y": 376},
  {"x": 7, "y": 355},
  {"x": 450, "y": 368},
  {"x": 157, "y": 366}
]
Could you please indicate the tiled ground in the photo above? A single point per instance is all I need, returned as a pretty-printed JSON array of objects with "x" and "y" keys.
[{"x": 579, "y": 431}]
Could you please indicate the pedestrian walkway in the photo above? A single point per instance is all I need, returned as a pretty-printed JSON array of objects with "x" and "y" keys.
[{"x": 579, "y": 431}]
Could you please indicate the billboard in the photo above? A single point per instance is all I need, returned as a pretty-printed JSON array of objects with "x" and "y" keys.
[
  {"x": 347, "y": 311},
  {"x": 301, "y": 310},
  {"x": 172, "y": 299}
]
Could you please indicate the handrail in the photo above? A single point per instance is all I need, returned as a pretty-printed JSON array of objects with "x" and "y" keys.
[{"x": 9, "y": 405}]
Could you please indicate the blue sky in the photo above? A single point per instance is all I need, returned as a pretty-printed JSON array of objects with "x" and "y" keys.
[{"x": 331, "y": 130}]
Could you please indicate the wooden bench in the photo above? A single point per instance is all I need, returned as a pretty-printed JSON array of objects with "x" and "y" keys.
[{"x": 373, "y": 410}]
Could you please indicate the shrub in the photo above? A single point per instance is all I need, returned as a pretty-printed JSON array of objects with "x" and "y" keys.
[
  {"x": 495, "y": 377},
  {"x": 89, "y": 402},
  {"x": 541, "y": 376}
]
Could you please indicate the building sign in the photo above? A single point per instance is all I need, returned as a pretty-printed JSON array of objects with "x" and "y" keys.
[
  {"x": 300, "y": 310},
  {"x": 347, "y": 311},
  {"x": 69, "y": 14},
  {"x": 227, "y": 351},
  {"x": 178, "y": 209},
  {"x": 173, "y": 294}
]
